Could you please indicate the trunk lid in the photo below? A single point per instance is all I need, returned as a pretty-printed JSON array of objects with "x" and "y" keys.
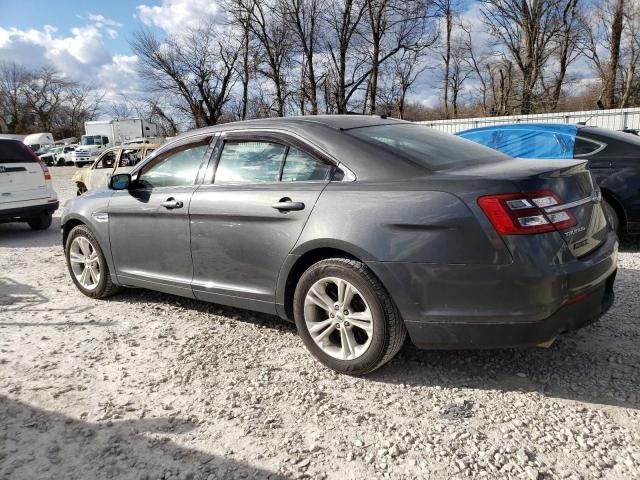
[{"x": 574, "y": 190}]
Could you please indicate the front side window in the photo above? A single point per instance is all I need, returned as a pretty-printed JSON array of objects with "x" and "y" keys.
[
  {"x": 107, "y": 160},
  {"x": 249, "y": 162},
  {"x": 301, "y": 167},
  {"x": 174, "y": 168}
]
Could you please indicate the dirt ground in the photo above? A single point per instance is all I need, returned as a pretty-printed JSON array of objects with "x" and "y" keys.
[{"x": 148, "y": 385}]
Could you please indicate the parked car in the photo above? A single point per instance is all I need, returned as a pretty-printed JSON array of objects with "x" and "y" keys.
[
  {"x": 26, "y": 193},
  {"x": 58, "y": 156},
  {"x": 115, "y": 160},
  {"x": 66, "y": 156},
  {"x": 613, "y": 158},
  {"x": 360, "y": 229}
]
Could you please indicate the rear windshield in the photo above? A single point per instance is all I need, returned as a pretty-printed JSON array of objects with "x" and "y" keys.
[
  {"x": 436, "y": 150},
  {"x": 12, "y": 151}
]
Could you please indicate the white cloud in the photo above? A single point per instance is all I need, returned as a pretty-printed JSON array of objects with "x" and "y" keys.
[
  {"x": 80, "y": 55},
  {"x": 102, "y": 20},
  {"x": 174, "y": 16}
]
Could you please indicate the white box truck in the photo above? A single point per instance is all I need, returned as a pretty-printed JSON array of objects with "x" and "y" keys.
[{"x": 102, "y": 134}]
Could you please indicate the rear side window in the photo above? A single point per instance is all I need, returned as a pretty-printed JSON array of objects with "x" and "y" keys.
[
  {"x": 12, "y": 151},
  {"x": 130, "y": 157},
  {"x": 433, "y": 149},
  {"x": 249, "y": 162},
  {"x": 301, "y": 167},
  {"x": 585, "y": 147}
]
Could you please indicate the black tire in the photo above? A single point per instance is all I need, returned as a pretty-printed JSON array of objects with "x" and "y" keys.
[
  {"x": 105, "y": 287},
  {"x": 389, "y": 331},
  {"x": 41, "y": 222},
  {"x": 60, "y": 162},
  {"x": 612, "y": 215}
]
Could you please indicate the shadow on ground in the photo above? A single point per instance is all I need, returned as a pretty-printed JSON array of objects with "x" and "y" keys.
[
  {"x": 598, "y": 364},
  {"x": 41, "y": 444},
  {"x": 20, "y": 297},
  {"x": 20, "y": 235}
]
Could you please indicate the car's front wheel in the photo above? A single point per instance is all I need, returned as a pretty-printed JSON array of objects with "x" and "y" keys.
[
  {"x": 346, "y": 318},
  {"x": 87, "y": 265}
]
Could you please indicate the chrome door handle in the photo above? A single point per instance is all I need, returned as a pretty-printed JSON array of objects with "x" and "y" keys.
[
  {"x": 286, "y": 205},
  {"x": 171, "y": 203}
]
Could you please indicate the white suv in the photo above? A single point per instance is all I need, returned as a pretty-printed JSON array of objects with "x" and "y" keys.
[{"x": 26, "y": 193}]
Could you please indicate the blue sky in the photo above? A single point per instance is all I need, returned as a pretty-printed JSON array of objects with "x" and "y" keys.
[
  {"x": 67, "y": 14},
  {"x": 88, "y": 40}
]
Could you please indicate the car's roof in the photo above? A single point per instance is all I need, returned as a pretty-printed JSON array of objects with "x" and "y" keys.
[{"x": 334, "y": 122}]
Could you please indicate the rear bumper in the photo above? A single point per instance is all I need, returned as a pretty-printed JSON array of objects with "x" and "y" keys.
[
  {"x": 23, "y": 213},
  {"x": 487, "y": 306}
]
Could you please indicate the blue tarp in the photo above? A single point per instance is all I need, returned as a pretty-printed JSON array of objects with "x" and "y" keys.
[{"x": 527, "y": 140}]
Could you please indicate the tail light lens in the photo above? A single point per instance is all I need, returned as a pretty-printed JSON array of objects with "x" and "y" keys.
[
  {"x": 523, "y": 213},
  {"x": 45, "y": 169}
]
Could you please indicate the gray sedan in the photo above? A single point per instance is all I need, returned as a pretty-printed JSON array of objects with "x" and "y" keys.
[{"x": 360, "y": 229}]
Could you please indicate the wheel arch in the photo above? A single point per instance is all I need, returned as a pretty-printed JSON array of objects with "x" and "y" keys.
[
  {"x": 617, "y": 205},
  {"x": 301, "y": 259}
]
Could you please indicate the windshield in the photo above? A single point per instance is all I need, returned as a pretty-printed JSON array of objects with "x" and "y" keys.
[
  {"x": 90, "y": 140},
  {"x": 436, "y": 150}
]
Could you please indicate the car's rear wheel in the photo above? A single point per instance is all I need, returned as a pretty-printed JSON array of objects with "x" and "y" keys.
[
  {"x": 612, "y": 215},
  {"x": 41, "y": 222},
  {"x": 87, "y": 265},
  {"x": 346, "y": 318}
]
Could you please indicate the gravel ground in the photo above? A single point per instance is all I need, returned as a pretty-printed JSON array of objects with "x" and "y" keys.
[{"x": 148, "y": 385}]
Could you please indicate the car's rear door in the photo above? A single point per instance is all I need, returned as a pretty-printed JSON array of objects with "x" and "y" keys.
[
  {"x": 246, "y": 218},
  {"x": 149, "y": 223},
  {"x": 21, "y": 176}
]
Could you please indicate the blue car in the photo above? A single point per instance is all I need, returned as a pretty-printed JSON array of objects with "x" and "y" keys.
[{"x": 613, "y": 158}]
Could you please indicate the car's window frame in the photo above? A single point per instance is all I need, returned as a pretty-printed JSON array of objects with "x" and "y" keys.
[
  {"x": 171, "y": 147},
  {"x": 106, "y": 152},
  {"x": 601, "y": 146},
  {"x": 281, "y": 138}
]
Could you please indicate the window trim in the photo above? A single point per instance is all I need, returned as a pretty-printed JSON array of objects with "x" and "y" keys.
[
  {"x": 285, "y": 139},
  {"x": 601, "y": 146},
  {"x": 171, "y": 147}
]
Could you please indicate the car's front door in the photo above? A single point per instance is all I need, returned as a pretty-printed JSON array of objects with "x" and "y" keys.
[
  {"x": 102, "y": 170},
  {"x": 149, "y": 223},
  {"x": 246, "y": 221}
]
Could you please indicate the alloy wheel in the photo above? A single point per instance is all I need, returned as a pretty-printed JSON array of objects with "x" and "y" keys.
[
  {"x": 338, "y": 318},
  {"x": 85, "y": 262}
]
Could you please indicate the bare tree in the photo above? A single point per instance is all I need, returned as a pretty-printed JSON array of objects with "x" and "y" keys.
[
  {"x": 44, "y": 94},
  {"x": 445, "y": 10},
  {"x": 304, "y": 16},
  {"x": 198, "y": 68},
  {"x": 13, "y": 82},
  {"x": 272, "y": 33},
  {"x": 343, "y": 18},
  {"x": 527, "y": 29}
]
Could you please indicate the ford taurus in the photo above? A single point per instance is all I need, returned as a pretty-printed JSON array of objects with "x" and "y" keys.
[{"x": 359, "y": 229}]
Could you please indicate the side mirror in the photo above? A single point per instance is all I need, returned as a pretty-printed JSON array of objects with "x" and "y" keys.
[{"x": 120, "y": 181}]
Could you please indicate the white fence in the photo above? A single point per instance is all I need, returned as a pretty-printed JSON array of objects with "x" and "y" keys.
[{"x": 616, "y": 119}]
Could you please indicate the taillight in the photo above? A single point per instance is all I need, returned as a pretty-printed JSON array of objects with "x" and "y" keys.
[
  {"x": 45, "y": 169},
  {"x": 523, "y": 213}
]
